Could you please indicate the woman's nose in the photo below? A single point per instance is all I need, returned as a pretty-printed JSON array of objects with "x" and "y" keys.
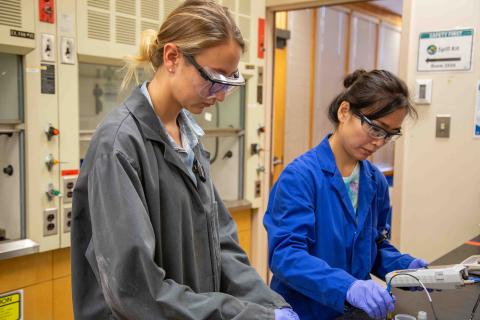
[
  {"x": 220, "y": 96},
  {"x": 379, "y": 142}
]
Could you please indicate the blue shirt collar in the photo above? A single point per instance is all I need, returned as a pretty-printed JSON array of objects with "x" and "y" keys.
[{"x": 185, "y": 116}]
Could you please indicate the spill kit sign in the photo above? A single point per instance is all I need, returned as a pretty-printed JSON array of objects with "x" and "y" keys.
[
  {"x": 445, "y": 50},
  {"x": 11, "y": 305}
]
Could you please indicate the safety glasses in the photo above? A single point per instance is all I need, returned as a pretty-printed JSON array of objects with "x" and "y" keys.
[
  {"x": 216, "y": 82},
  {"x": 375, "y": 131}
]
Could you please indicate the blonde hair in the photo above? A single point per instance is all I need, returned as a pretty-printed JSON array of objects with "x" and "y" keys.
[{"x": 193, "y": 26}]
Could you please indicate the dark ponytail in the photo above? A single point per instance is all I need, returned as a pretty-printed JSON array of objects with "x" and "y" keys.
[{"x": 379, "y": 90}]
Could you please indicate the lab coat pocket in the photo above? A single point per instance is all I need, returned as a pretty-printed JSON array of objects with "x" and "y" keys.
[{"x": 92, "y": 261}]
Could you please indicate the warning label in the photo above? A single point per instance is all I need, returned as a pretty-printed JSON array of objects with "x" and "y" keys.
[{"x": 11, "y": 305}]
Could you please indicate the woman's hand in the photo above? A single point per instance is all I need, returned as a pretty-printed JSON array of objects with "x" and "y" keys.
[
  {"x": 285, "y": 314},
  {"x": 371, "y": 298}
]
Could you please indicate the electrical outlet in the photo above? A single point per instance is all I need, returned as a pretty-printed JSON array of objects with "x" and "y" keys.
[
  {"x": 68, "y": 186},
  {"x": 67, "y": 219},
  {"x": 48, "y": 47},
  {"x": 50, "y": 221},
  {"x": 258, "y": 188},
  {"x": 67, "y": 50}
]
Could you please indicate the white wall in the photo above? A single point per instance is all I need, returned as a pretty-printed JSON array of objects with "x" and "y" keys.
[
  {"x": 363, "y": 42},
  {"x": 388, "y": 56},
  {"x": 297, "y": 108},
  {"x": 437, "y": 192},
  {"x": 331, "y": 52}
]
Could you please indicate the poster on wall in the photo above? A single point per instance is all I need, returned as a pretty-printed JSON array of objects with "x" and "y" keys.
[
  {"x": 445, "y": 50},
  {"x": 477, "y": 112}
]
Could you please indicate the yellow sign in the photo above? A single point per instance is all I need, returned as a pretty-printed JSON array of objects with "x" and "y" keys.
[{"x": 11, "y": 305}]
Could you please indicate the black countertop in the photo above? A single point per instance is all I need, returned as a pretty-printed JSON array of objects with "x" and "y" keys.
[{"x": 449, "y": 304}]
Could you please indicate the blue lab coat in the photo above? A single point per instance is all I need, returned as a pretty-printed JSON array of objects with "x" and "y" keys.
[{"x": 316, "y": 247}]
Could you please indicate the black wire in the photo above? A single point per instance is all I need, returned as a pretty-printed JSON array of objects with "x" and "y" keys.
[
  {"x": 475, "y": 308},
  {"x": 407, "y": 274}
]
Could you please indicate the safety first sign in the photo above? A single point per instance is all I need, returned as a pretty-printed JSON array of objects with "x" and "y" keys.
[
  {"x": 11, "y": 305},
  {"x": 445, "y": 50}
]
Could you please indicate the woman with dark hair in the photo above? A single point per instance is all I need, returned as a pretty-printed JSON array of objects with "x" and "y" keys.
[{"x": 329, "y": 214}]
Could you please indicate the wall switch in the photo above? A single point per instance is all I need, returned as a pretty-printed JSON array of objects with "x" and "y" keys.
[
  {"x": 67, "y": 50},
  {"x": 423, "y": 94},
  {"x": 443, "y": 126},
  {"x": 48, "y": 47}
]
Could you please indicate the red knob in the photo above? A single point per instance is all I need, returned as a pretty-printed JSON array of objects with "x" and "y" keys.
[{"x": 52, "y": 131}]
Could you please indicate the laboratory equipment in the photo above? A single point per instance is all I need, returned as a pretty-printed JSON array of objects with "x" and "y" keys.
[
  {"x": 441, "y": 278},
  {"x": 438, "y": 277},
  {"x": 472, "y": 264},
  {"x": 404, "y": 317},
  {"x": 12, "y": 195},
  {"x": 422, "y": 315}
]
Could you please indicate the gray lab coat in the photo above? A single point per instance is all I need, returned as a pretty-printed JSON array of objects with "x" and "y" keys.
[{"x": 147, "y": 243}]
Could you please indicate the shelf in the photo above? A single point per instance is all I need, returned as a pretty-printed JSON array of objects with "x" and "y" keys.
[{"x": 224, "y": 132}]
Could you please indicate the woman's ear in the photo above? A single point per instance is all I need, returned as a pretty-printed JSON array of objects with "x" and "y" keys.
[
  {"x": 171, "y": 56},
  {"x": 343, "y": 112}
]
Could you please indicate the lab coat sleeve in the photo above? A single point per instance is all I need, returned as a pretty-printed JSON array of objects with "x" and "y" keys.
[
  {"x": 238, "y": 277},
  {"x": 290, "y": 223},
  {"x": 388, "y": 257},
  {"x": 121, "y": 254}
]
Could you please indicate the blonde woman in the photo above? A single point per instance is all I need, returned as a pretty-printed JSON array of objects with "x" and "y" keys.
[{"x": 151, "y": 239}]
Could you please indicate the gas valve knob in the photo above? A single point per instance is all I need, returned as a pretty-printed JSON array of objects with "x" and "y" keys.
[
  {"x": 260, "y": 169},
  {"x": 260, "y": 129},
  {"x": 8, "y": 170},
  {"x": 52, "y": 192},
  {"x": 50, "y": 161},
  {"x": 51, "y": 131},
  {"x": 255, "y": 149}
]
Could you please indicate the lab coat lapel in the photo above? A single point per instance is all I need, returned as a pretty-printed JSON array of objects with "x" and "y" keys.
[
  {"x": 172, "y": 158},
  {"x": 366, "y": 193},
  {"x": 139, "y": 106},
  {"x": 341, "y": 190},
  {"x": 327, "y": 163}
]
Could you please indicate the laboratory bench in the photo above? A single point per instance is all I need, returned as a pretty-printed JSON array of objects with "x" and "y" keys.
[{"x": 449, "y": 304}]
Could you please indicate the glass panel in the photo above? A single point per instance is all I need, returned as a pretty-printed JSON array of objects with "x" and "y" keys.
[
  {"x": 11, "y": 195},
  {"x": 226, "y": 148},
  {"x": 100, "y": 92},
  {"x": 226, "y": 114},
  {"x": 11, "y": 88},
  {"x": 226, "y": 167}
]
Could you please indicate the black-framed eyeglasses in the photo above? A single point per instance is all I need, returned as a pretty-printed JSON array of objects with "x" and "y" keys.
[
  {"x": 375, "y": 131},
  {"x": 219, "y": 81}
]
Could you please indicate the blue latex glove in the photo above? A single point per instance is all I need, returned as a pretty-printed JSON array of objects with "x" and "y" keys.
[
  {"x": 418, "y": 264},
  {"x": 285, "y": 314},
  {"x": 371, "y": 298}
]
